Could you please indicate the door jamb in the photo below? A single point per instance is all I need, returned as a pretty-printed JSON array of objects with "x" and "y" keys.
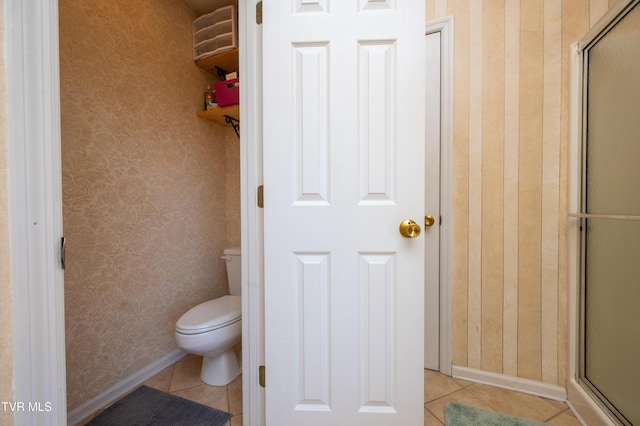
[
  {"x": 445, "y": 27},
  {"x": 35, "y": 209},
  {"x": 250, "y": 41}
]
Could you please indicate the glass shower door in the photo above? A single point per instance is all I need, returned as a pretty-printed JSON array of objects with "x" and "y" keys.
[{"x": 611, "y": 225}]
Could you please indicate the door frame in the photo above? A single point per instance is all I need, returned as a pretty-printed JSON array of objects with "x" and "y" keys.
[
  {"x": 582, "y": 403},
  {"x": 35, "y": 209},
  {"x": 252, "y": 217},
  {"x": 444, "y": 26}
]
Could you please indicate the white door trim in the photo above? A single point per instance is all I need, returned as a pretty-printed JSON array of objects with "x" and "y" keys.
[
  {"x": 445, "y": 27},
  {"x": 35, "y": 209},
  {"x": 250, "y": 40}
]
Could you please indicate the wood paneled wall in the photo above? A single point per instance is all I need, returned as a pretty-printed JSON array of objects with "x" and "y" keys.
[{"x": 510, "y": 144}]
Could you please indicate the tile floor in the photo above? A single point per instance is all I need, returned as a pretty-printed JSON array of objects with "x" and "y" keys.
[
  {"x": 183, "y": 379},
  {"x": 440, "y": 389}
]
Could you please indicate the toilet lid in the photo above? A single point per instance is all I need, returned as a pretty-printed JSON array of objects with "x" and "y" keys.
[{"x": 210, "y": 315}]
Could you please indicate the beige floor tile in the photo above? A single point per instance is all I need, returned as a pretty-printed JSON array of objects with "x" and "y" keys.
[
  {"x": 560, "y": 404},
  {"x": 462, "y": 396},
  {"x": 211, "y": 396},
  {"x": 235, "y": 396},
  {"x": 462, "y": 382},
  {"x": 515, "y": 403},
  {"x": 162, "y": 380},
  {"x": 186, "y": 373},
  {"x": 566, "y": 418},
  {"x": 430, "y": 419},
  {"x": 183, "y": 379},
  {"x": 437, "y": 385}
]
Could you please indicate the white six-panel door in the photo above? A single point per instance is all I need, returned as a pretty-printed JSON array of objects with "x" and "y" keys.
[{"x": 343, "y": 166}]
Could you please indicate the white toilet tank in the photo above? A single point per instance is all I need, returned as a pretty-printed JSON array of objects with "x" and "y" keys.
[{"x": 234, "y": 274}]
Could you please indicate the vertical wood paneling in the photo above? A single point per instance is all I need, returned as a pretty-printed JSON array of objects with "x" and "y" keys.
[
  {"x": 460, "y": 10},
  {"x": 511, "y": 169},
  {"x": 430, "y": 6},
  {"x": 531, "y": 86},
  {"x": 510, "y": 180},
  {"x": 551, "y": 187},
  {"x": 597, "y": 9},
  {"x": 492, "y": 182},
  {"x": 475, "y": 184},
  {"x": 441, "y": 8}
]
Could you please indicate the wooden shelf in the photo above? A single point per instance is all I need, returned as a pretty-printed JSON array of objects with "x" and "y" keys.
[
  {"x": 217, "y": 114},
  {"x": 228, "y": 61}
]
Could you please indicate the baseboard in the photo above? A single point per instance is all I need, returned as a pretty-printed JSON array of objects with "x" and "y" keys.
[
  {"x": 531, "y": 387},
  {"x": 122, "y": 387},
  {"x": 585, "y": 408}
]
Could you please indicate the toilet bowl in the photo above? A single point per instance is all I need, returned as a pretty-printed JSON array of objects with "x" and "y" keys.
[{"x": 212, "y": 329}]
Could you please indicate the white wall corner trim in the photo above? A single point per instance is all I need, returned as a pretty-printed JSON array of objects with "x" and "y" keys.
[
  {"x": 123, "y": 387},
  {"x": 35, "y": 209},
  {"x": 518, "y": 384}
]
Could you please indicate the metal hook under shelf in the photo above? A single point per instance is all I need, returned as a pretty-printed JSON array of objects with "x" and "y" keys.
[{"x": 235, "y": 123}]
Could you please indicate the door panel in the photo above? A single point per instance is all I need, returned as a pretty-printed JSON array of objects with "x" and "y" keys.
[{"x": 344, "y": 150}]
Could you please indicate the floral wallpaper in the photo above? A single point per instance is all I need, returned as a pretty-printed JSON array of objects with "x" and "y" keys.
[{"x": 150, "y": 191}]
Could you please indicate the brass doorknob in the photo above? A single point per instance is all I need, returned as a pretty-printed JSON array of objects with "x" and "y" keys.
[
  {"x": 429, "y": 220},
  {"x": 409, "y": 228}
]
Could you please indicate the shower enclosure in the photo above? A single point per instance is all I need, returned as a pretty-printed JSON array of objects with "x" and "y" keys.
[{"x": 609, "y": 335}]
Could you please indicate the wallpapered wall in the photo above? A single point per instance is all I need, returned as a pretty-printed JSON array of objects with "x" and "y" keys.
[
  {"x": 149, "y": 189},
  {"x": 510, "y": 150},
  {"x": 6, "y": 338}
]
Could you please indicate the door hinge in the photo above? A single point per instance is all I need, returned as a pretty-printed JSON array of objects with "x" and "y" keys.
[
  {"x": 259, "y": 13},
  {"x": 261, "y": 375},
  {"x": 261, "y": 197}
]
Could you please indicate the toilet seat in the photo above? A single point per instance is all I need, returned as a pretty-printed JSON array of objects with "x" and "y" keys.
[{"x": 211, "y": 315}]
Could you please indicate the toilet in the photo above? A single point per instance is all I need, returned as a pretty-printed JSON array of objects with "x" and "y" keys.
[{"x": 213, "y": 329}]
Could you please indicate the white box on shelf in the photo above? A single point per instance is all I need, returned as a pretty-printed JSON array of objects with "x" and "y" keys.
[{"x": 215, "y": 32}]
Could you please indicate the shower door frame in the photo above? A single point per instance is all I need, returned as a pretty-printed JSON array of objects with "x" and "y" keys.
[{"x": 588, "y": 407}]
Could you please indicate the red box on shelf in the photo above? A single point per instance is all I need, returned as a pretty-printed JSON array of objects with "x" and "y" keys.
[{"x": 228, "y": 92}]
